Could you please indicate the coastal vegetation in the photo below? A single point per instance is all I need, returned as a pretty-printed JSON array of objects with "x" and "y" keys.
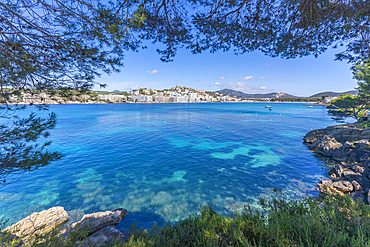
[{"x": 333, "y": 220}]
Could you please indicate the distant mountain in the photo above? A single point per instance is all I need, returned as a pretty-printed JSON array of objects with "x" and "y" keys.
[
  {"x": 333, "y": 94},
  {"x": 242, "y": 95}
]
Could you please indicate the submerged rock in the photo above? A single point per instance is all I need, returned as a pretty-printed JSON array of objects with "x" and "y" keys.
[{"x": 38, "y": 222}]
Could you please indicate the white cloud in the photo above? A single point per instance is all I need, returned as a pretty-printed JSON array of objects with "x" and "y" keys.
[
  {"x": 152, "y": 72},
  {"x": 245, "y": 78},
  {"x": 268, "y": 64},
  {"x": 260, "y": 78},
  {"x": 240, "y": 86},
  {"x": 251, "y": 78},
  {"x": 222, "y": 78}
]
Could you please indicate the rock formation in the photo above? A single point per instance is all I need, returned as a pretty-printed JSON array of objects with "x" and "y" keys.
[
  {"x": 38, "y": 222},
  {"x": 350, "y": 147},
  {"x": 100, "y": 226}
]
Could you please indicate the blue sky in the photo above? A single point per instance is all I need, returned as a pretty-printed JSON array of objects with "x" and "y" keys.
[{"x": 249, "y": 73}]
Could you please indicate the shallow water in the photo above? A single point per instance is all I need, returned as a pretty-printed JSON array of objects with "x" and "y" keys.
[{"x": 162, "y": 161}]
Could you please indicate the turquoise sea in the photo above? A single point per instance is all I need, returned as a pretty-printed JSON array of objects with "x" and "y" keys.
[{"x": 161, "y": 162}]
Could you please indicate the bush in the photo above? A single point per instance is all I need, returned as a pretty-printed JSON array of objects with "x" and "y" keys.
[{"x": 332, "y": 221}]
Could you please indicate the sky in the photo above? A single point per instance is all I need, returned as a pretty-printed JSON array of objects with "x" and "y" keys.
[{"x": 250, "y": 73}]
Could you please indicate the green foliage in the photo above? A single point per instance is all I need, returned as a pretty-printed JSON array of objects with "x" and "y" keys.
[
  {"x": 349, "y": 105},
  {"x": 365, "y": 125},
  {"x": 361, "y": 73},
  {"x": 333, "y": 221},
  {"x": 346, "y": 106},
  {"x": 22, "y": 149}
]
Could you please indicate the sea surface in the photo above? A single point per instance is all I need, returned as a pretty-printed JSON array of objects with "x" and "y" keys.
[{"x": 161, "y": 162}]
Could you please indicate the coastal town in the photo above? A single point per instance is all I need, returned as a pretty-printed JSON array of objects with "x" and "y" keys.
[{"x": 177, "y": 94}]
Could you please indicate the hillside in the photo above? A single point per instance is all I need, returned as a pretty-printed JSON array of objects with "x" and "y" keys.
[
  {"x": 334, "y": 94},
  {"x": 242, "y": 95}
]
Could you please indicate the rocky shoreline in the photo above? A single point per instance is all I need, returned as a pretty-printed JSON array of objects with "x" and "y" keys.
[
  {"x": 349, "y": 146},
  {"x": 101, "y": 227}
]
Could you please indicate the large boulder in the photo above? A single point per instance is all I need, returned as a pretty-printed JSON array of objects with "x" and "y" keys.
[
  {"x": 326, "y": 145},
  {"x": 96, "y": 221},
  {"x": 38, "y": 222},
  {"x": 336, "y": 171},
  {"x": 343, "y": 186}
]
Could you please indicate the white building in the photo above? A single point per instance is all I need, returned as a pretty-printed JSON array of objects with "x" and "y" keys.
[{"x": 112, "y": 97}]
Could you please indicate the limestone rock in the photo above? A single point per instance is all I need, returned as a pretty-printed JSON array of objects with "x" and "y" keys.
[
  {"x": 326, "y": 145},
  {"x": 104, "y": 237},
  {"x": 361, "y": 143},
  {"x": 38, "y": 222},
  {"x": 365, "y": 156},
  {"x": 343, "y": 186},
  {"x": 359, "y": 169},
  {"x": 337, "y": 170},
  {"x": 356, "y": 186},
  {"x": 324, "y": 185},
  {"x": 341, "y": 133},
  {"x": 364, "y": 182},
  {"x": 96, "y": 221},
  {"x": 313, "y": 135},
  {"x": 339, "y": 154},
  {"x": 350, "y": 175},
  {"x": 347, "y": 146}
]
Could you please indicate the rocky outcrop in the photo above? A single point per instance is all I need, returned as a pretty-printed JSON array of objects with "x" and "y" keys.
[
  {"x": 347, "y": 152},
  {"x": 326, "y": 145},
  {"x": 341, "y": 133},
  {"x": 350, "y": 147},
  {"x": 100, "y": 226},
  {"x": 97, "y": 221},
  {"x": 38, "y": 222}
]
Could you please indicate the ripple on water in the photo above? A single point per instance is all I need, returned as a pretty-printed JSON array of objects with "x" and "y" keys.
[{"x": 162, "y": 162}]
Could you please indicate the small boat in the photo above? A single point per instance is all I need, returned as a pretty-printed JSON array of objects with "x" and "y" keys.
[
  {"x": 268, "y": 106},
  {"x": 270, "y": 109},
  {"x": 310, "y": 106}
]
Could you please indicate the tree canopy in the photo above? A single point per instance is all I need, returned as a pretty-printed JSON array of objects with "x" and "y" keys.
[{"x": 353, "y": 106}]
